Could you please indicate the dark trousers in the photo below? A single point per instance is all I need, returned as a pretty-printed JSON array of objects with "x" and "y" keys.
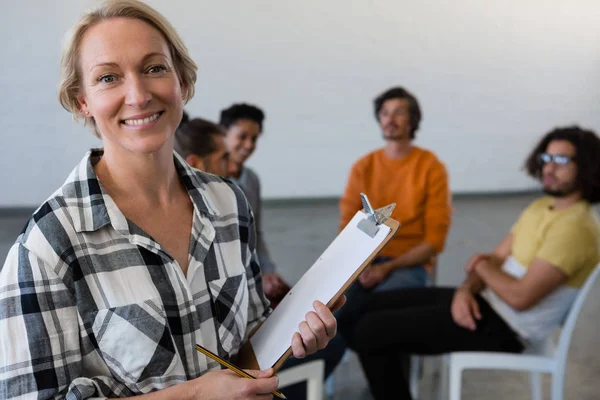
[
  {"x": 331, "y": 355},
  {"x": 357, "y": 295},
  {"x": 418, "y": 321}
]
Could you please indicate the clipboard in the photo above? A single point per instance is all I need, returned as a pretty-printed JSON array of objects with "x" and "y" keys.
[{"x": 343, "y": 261}]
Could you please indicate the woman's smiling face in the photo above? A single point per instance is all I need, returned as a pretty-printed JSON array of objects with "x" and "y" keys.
[{"x": 129, "y": 85}]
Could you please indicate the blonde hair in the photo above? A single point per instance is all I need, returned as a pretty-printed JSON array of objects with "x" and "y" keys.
[{"x": 70, "y": 79}]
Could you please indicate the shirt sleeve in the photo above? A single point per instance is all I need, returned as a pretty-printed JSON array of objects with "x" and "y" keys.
[
  {"x": 40, "y": 352},
  {"x": 264, "y": 257},
  {"x": 258, "y": 306},
  {"x": 350, "y": 202},
  {"x": 438, "y": 207},
  {"x": 567, "y": 247}
]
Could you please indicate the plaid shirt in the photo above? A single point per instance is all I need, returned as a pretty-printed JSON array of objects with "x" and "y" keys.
[{"x": 92, "y": 306}]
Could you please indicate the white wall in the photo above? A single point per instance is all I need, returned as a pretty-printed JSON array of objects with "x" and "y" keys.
[{"x": 491, "y": 77}]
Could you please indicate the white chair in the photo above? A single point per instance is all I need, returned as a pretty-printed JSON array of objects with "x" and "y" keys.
[
  {"x": 416, "y": 372},
  {"x": 312, "y": 372},
  {"x": 544, "y": 358}
]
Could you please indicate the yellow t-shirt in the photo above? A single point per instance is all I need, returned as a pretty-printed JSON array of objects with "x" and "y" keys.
[{"x": 568, "y": 239}]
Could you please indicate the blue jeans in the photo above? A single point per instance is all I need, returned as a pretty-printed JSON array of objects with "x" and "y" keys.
[
  {"x": 401, "y": 278},
  {"x": 357, "y": 295}
]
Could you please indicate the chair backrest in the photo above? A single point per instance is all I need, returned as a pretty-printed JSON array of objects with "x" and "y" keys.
[
  {"x": 312, "y": 372},
  {"x": 562, "y": 349}
]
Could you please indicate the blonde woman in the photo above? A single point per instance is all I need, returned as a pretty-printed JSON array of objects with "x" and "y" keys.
[{"x": 137, "y": 257}]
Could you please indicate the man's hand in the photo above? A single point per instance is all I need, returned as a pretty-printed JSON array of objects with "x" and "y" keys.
[
  {"x": 373, "y": 275},
  {"x": 274, "y": 287},
  {"x": 476, "y": 259},
  {"x": 464, "y": 309}
]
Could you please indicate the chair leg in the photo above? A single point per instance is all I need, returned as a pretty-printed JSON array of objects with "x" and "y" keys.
[
  {"x": 415, "y": 375},
  {"x": 444, "y": 371},
  {"x": 314, "y": 389},
  {"x": 558, "y": 385},
  {"x": 455, "y": 381},
  {"x": 330, "y": 385},
  {"x": 536, "y": 385}
]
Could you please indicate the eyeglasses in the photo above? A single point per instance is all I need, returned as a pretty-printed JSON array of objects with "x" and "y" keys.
[{"x": 558, "y": 159}]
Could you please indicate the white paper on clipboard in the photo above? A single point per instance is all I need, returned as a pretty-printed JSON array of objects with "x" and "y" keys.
[{"x": 348, "y": 251}]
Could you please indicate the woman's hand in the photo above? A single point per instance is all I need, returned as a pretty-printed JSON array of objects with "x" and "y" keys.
[
  {"x": 317, "y": 330},
  {"x": 226, "y": 384}
]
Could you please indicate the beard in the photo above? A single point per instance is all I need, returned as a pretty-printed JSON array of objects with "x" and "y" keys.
[
  {"x": 394, "y": 134},
  {"x": 394, "y": 138},
  {"x": 564, "y": 191}
]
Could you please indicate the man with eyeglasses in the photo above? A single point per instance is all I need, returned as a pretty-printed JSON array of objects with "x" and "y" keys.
[
  {"x": 417, "y": 181},
  {"x": 513, "y": 296}
]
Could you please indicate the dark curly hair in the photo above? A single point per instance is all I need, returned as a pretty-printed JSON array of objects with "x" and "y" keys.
[
  {"x": 234, "y": 113},
  {"x": 413, "y": 106},
  {"x": 587, "y": 158},
  {"x": 196, "y": 136}
]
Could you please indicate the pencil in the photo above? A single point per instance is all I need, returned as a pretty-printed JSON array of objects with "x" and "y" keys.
[{"x": 232, "y": 367}]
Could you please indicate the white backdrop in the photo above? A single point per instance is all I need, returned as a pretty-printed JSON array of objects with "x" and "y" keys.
[{"x": 491, "y": 77}]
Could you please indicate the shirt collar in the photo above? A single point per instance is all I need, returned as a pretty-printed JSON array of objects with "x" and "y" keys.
[{"x": 91, "y": 207}]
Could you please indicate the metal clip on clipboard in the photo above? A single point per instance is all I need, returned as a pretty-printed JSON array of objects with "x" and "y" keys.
[{"x": 370, "y": 224}]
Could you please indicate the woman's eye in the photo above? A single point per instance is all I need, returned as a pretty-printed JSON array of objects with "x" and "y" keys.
[
  {"x": 157, "y": 69},
  {"x": 107, "y": 79}
]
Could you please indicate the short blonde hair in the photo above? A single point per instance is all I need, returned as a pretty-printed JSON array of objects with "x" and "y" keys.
[{"x": 70, "y": 78}]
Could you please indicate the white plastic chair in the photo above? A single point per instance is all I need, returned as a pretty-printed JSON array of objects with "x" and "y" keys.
[
  {"x": 416, "y": 371},
  {"x": 544, "y": 358},
  {"x": 312, "y": 372}
]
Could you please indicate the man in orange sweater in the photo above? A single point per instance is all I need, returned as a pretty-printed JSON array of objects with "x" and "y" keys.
[{"x": 414, "y": 179}]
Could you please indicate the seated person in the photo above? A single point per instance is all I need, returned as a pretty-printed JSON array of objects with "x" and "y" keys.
[
  {"x": 512, "y": 297},
  {"x": 136, "y": 257},
  {"x": 243, "y": 125},
  {"x": 417, "y": 181},
  {"x": 202, "y": 144},
  {"x": 187, "y": 137}
]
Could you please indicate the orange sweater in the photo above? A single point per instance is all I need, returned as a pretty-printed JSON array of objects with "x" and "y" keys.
[{"x": 418, "y": 184}]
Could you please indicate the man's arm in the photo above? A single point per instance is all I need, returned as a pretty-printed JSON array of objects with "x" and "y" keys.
[
  {"x": 258, "y": 304},
  {"x": 563, "y": 251},
  {"x": 521, "y": 294},
  {"x": 465, "y": 309},
  {"x": 474, "y": 284},
  {"x": 418, "y": 255}
]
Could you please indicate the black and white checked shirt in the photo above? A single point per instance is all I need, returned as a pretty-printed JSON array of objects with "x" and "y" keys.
[{"x": 91, "y": 306}]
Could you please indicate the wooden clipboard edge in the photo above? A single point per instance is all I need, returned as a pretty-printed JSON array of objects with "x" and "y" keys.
[
  {"x": 394, "y": 225},
  {"x": 246, "y": 359}
]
